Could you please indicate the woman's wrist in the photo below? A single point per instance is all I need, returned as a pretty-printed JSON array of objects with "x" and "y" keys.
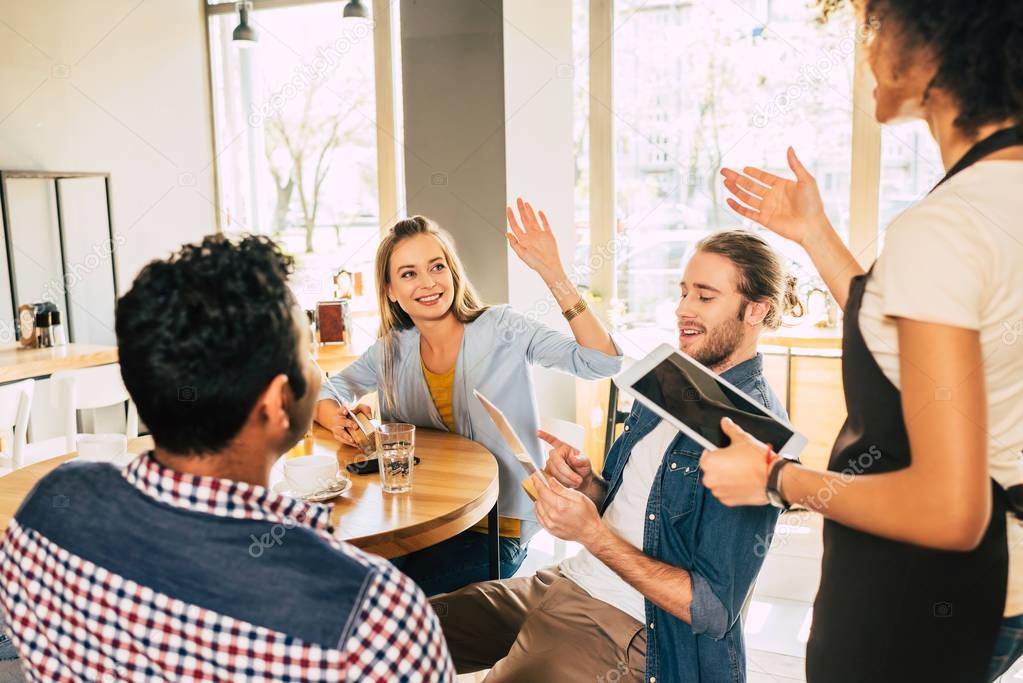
[
  {"x": 326, "y": 413},
  {"x": 554, "y": 277},
  {"x": 817, "y": 235},
  {"x": 562, "y": 288}
]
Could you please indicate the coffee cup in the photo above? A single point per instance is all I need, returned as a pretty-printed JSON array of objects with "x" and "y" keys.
[{"x": 310, "y": 473}]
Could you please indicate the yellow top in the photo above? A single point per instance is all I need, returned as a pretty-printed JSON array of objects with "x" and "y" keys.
[{"x": 442, "y": 391}]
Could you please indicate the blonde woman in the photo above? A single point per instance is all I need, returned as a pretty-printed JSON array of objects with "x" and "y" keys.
[{"x": 438, "y": 342}]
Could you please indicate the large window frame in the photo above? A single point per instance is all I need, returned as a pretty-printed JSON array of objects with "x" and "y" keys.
[
  {"x": 864, "y": 229},
  {"x": 384, "y": 16}
]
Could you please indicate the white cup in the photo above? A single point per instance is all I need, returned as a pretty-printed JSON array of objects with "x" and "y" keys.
[
  {"x": 310, "y": 473},
  {"x": 112, "y": 448}
]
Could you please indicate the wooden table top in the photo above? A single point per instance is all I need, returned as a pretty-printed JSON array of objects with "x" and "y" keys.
[
  {"x": 18, "y": 363},
  {"x": 453, "y": 488}
]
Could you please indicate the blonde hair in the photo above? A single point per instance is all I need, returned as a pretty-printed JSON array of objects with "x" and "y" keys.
[
  {"x": 466, "y": 306},
  {"x": 762, "y": 276}
]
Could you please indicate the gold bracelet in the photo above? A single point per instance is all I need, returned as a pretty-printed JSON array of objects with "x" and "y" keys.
[{"x": 575, "y": 310}]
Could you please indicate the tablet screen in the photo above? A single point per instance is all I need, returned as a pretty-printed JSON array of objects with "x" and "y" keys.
[{"x": 699, "y": 400}]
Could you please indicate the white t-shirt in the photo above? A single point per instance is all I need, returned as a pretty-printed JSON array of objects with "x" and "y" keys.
[
  {"x": 956, "y": 258},
  {"x": 626, "y": 516}
]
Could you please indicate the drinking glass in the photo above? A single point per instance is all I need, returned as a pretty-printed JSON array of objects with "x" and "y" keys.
[{"x": 396, "y": 445}]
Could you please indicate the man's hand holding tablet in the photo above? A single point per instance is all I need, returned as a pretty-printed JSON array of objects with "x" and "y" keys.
[{"x": 567, "y": 513}]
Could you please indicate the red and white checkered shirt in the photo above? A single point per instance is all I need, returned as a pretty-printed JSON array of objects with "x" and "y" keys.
[{"x": 76, "y": 619}]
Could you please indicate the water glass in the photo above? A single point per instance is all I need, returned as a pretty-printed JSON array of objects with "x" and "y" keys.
[{"x": 396, "y": 445}]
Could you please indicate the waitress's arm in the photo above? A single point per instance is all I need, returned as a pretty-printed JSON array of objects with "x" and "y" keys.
[
  {"x": 833, "y": 260},
  {"x": 536, "y": 246},
  {"x": 942, "y": 500}
]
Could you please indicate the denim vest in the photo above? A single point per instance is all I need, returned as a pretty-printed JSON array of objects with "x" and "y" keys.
[{"x": 722, "y": 548}]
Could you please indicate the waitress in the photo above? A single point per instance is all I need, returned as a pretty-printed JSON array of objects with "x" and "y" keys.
[{"x": 922, "y": 574}]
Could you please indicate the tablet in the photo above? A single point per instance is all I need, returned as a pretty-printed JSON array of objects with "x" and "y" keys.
[
  {"x": 694, "y": 399},
  {"x": 512, "y": 439}
]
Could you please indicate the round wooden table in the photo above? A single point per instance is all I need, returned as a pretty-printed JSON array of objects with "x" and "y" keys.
[{"x": 454, "y": 487}]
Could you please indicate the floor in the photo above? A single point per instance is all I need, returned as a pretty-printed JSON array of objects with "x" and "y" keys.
[{"x": 778, "y": 622}]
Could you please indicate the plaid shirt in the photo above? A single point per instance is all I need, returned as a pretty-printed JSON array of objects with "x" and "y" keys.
[{"x": 73, "y": 619}]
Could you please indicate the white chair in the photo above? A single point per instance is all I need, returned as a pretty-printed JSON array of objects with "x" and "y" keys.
[
  {"x": 15, "y": 408},
  {"x": 575, "y": 436},
  {"x": 89, "y": 388}
]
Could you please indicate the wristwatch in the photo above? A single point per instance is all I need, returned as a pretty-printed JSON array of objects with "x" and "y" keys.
[{"x": 773, "y": 479}]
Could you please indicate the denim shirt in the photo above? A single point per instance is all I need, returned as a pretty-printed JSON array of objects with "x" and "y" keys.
[
  {"x": 497, "y": 351},
  {"x": 722, "y": 548}
]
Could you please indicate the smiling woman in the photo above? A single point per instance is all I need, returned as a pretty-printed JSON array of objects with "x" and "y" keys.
[{"x": 438, "y": 343}]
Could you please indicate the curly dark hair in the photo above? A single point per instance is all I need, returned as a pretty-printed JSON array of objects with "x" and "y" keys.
[
  {"x": 201, "y": 334},
  {"x": 977, "y": 45}
]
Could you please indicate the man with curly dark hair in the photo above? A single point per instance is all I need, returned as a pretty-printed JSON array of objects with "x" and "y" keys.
[
  {"x": 185, "y": 566},
  {"x": 922, "y": 574}
]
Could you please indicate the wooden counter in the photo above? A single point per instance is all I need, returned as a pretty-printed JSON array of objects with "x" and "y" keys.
[
  {"x": 334, "y": 357},
  {"x": 17, "y": 363},
  {"x": 804, "y": 337}
]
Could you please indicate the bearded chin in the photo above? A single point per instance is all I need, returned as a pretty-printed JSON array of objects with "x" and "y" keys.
[{"x": 721, "y": 343}]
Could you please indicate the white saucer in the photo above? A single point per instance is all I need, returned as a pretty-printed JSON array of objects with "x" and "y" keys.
[{"x": 282, "y": 488}]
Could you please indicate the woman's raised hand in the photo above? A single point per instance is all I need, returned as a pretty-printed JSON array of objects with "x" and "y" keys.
[
  {"x": 793, "y": 209},
  {"x": 534, "y": 243}
]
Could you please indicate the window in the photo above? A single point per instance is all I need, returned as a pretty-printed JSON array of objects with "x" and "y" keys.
[
  {"x": 296, "y": 139},
  {"x": 910, "y": 166},
  {"x": 581, "y": 140},
  {"x": 701, "y": 84}
]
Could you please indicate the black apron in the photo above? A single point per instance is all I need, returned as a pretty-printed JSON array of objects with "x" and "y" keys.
[{"x": 891, "y": 612}]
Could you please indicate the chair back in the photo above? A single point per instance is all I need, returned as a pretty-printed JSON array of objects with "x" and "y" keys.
[
  {"x": 88, "y": 388},
  {"x": 569, "y": 432},
  {"x": 15, "y": 409}
]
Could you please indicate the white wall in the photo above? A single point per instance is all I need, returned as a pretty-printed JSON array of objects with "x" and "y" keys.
[
  {"x": 118, "y": 86},
  {"x": 454, "y": 107},
  {"x": 540, "y": 159}
]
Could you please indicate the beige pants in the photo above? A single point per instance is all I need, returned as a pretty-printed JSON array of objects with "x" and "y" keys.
[{"x": 539, "y": 629}]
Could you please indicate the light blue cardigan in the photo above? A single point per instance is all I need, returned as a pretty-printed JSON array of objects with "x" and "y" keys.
[{"x": 496, "y": 349}]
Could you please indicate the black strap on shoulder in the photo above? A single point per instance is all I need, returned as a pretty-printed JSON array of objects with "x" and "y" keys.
[{"x": 999, "y": 140}]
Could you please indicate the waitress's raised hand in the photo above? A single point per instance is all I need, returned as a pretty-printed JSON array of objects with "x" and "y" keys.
[
  {"x": 793, "y": 209},
  {"x": 534, "y": 243}
]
